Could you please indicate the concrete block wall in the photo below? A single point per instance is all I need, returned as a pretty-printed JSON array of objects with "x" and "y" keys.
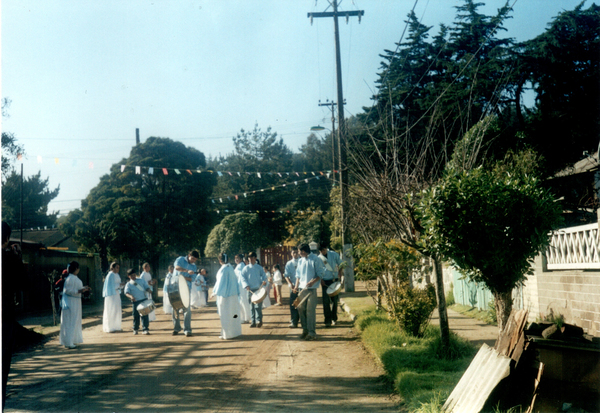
[{"x": 573, "y": 293}]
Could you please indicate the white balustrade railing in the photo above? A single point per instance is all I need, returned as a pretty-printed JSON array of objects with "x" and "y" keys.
[{"x": 574, "y": 248}]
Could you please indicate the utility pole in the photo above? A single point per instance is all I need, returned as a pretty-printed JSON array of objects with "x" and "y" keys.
[
  {"x": 334, "y": 137},
  {"x": 342, "y": 133}
]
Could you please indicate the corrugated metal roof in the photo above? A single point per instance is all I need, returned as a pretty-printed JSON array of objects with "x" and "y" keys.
[{"x": 486, "y": 370}]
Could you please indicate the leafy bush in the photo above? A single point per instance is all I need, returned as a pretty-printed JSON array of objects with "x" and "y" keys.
[
  {"x": 450, "y": 296},
  {"x": 393, "y": 266}
]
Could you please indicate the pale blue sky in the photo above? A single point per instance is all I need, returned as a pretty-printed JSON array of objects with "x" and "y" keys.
[{"x": 84, "y": 74}]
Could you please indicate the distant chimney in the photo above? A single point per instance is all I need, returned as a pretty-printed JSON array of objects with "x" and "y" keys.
[{"x": 137, "y": 136}]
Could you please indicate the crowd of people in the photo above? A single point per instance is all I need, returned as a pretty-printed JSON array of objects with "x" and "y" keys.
[{"x": 242, "y": 291}]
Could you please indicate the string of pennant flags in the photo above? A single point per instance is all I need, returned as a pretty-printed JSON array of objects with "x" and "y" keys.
[
  {"x": 139, "y": 170},
  {"x": 258, "y": 211},
  {"x": 272, "y": 188}
]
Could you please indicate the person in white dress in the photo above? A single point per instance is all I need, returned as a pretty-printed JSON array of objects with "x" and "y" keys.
[
  {"x": 277, "y": 284},
  {"x": 70, "y": 317},
  {"x": 245, "y": 310},
  {"x": 267, "y": 302},
  {"x": 227, "y": 291},
  {"x": 151, "y": 282},
  {"x": 113, "y": 314},
  {"x": 167, "y": 307},
  {"x": 203, "y": 287},
  {"x": 196, "y": 292}
]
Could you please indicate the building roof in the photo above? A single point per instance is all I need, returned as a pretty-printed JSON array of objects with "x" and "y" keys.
[{"x": 48, "y": 238}]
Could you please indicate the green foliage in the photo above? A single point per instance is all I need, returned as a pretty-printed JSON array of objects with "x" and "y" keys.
[
  {"x": 36, "y": 197},
  {"x": 311, "y": 226},
  {"x": 10, "y": 151},
  {"x": 492, "y": 316},
  {"x": 450, "y": 296},
  {"x": 237, "y": 233},
  {"x": 423, "y": 374},
  {"x": 146, "y": 216},
  {"x": 491, "y": 225},
  {"x": 392, "y": 265},
  {"x": 563, "y": 64}
]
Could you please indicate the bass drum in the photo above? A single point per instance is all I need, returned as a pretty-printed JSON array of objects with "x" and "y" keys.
[{"x": 179, "y": 294}]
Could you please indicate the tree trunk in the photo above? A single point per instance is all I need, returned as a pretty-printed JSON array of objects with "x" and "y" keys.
[
  {"x": 441, "y": 299},
  {"x": 503, "y": 303}
]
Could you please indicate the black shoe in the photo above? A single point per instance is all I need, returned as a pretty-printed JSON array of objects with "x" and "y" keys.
[
  {"x": 253, "y": 325},
  {"x": 175, "y": 333},
  {"x": 303, "y": 336},
  {"x": 259, "y": 325},
  {"x": 327, "y": 325},
  {"x": 292, "y": 325}
]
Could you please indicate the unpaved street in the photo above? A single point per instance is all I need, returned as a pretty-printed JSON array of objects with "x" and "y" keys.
[{"x": 266, "y": 370}]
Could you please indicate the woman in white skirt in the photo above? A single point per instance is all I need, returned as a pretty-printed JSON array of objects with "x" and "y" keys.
[
  {"x": 167, "y": 307},
  {"x": 227, "y": 291},
  {"x": 70, "y": 317},
  {"x": 113, "y": 313}
]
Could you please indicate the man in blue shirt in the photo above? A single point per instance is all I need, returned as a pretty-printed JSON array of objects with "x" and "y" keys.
[
  {"x": 185, "y": 266},
  {"x": 253, "y": 278},
  {"x": 331, "y": 261},
  {"x": 290, "y": 277},
  {"x": 136, "y": 290},
  {"x": 308, "y": 276}
]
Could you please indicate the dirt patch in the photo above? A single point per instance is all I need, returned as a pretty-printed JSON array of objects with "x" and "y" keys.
[{"x": 268, "y": 369}]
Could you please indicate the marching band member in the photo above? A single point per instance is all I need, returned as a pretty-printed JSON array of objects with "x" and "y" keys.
[
  {"x": 185, "y": 266},
  {"x": 136, "y": 290},
  {"x": 308, "y": 276},
  {"x": 332, "y": 262},
  {"x": 253, "y": 278},
  {"x": 290, "y": 278},
  {"x": 148, "y": 278},
  {"x": 245, "y": 310},
  {"x": 70, "y": 318},
  {"x": 167, "y": 307}
]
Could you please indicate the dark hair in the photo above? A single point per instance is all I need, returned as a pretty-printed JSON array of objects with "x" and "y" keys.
[
  {"x": 276, "y": 266},
  {"x": 6, "y": 231},
  {"x": 294, "y": 248},
  {"x": 324, "y": 245},
  {"x": 195, "y": 254},
  {"x": 304, "y": 247},
  {"x": 73, "y": 266},
  {"x": 223, "y": 257},
  {"x": 240, "y": 256},
  {"x": 114, "y": 264},
  {"x": 131, "y": 271},
  {"x": 251, "y": 254}
]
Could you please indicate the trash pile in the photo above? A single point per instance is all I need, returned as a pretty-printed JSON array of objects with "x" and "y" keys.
[{"x": 545, "y": 367}]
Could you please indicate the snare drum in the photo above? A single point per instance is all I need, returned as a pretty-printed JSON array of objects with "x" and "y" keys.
[
  {"x": 302, "y": 297},
  {"x": 259, "y": 296},
  {"x": 179, "y": 293},
  {"x": 334, "y": 289},
  {"x": 146, "y": 307}
]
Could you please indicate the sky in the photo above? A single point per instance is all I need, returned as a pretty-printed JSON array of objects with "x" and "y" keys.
[{"x": 82, "y": 75}]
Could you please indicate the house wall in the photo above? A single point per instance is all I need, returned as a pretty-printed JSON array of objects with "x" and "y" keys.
[{"x": 573, "y": 293}]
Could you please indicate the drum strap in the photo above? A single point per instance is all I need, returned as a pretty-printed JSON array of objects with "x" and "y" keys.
[{"x": 136, "y": 285}]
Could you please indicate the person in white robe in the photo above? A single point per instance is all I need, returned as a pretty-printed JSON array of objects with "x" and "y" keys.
[
  {"x": 245, "y": 308},
  {"x": 227, "y": 291},
  {"x": 167, "y": 307},
  {"x": 151, "y": 282},
  {"x": 267, "y": 301},
  {"x": 113, "y": 314},
  {"x": 70, "y": 317},
  {"x": 203, "y": 288},
  {"x": 196, "y": 292}
]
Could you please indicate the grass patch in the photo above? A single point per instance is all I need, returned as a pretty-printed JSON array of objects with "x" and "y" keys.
[
  {"x": 420, "y": 374},
  {"x": 485, "y": 316},
  {"x": 359, "y": 304}
]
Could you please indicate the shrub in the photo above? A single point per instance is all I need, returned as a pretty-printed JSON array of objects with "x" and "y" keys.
[
  {"x": 450, "y": 296},
  {"x": 393, "y": 265}
]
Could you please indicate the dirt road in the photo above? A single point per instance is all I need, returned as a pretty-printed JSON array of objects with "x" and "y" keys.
[{"x": 266, "y": 370}]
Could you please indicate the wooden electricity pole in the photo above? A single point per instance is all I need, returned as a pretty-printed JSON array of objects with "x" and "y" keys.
[{"x": 342, "y": 134}]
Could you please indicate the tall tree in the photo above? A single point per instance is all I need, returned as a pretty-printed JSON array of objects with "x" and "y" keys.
[
  {"x": 36, "y": 197},
  {"x": 563, "y": 66},
  {"x": 146, "y": 215},
  {"x": 237, "y": 233}
]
